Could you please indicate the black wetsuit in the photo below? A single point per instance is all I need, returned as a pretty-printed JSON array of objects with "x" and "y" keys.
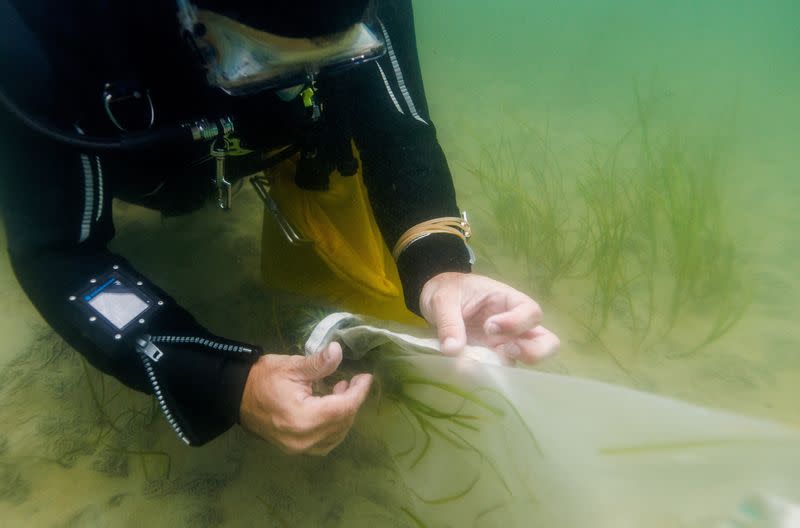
[{"x": 56, "y": 201}]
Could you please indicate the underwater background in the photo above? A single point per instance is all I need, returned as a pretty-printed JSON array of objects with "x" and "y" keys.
[
  {"x": 631, "y": 165},
  {"x": 565, "y": 97}
]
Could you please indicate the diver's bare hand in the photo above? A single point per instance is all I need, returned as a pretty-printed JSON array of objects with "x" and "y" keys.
[
  {"x": 469, "y": 308},
  {"x": 278, "y": 403}
]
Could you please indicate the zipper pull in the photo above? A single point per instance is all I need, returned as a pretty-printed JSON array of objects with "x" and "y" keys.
[{"x": 145, "y": 345}]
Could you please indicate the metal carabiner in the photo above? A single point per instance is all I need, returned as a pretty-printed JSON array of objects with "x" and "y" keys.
[
  {"x": 122, "y": 92},
  {"x": 220, "y": 148},
  {"x": 261, "y": 183}
]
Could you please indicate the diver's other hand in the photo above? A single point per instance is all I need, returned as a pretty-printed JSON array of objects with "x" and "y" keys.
[
  {"x": 469, "y": 308},
  {"x": 279, "y": 405}
]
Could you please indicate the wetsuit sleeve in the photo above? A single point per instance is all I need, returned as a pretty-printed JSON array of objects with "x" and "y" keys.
[
  {"x": 405, "y": 169},
  {"x": 56, "y": 210}
]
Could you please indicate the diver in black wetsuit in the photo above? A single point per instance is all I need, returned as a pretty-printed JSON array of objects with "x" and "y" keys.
[{"x": 95, "y": 94}]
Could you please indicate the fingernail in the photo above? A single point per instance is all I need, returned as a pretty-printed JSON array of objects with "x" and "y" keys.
[
  {"x": 450, "y": 345},
  {"x": 511, "y": 350},
  {"x": 492, "y": 328},
  {"x": 550, "y": 351}
]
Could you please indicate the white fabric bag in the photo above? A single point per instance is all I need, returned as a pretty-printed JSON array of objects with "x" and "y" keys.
[{"x": 481, "y": 444}]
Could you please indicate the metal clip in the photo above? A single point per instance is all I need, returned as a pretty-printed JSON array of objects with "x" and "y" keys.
[
  {"x": 125, "y": 92},
  {"x": 467, "y": 230},
  {"x": 219, "y": 151},
  {"x": 261, "y": 184},
  {"x": 465, "y": 227}
]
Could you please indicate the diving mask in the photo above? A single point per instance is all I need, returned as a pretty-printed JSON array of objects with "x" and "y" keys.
[{"x": 240, "y": 59}]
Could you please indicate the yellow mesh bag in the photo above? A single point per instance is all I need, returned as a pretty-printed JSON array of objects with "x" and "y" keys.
[{"x": 346, "y": 262}]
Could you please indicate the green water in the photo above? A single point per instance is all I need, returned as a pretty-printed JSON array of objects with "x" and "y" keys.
[
  {"x": 541, "y": 86},
  {"x": 572, "y": 73}
]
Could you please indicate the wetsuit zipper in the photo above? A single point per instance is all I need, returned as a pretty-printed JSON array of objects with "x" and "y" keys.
[
  {"x": 191, "y": 340},
  {"x": 150, "y": 353},
  {"x": 148, "y": 367}
]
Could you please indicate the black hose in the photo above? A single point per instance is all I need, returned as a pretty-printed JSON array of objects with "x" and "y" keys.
[{"x": 127, "y": 142}]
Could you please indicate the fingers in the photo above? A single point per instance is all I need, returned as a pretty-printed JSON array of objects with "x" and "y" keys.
[
  {"x": 445, "y": 312},
  {"x": 508, "y": 352},
  {"x": 523, "y": 315},
  {"x": 322, "y": 422},
  {"x": 541, "y": 345},
  {"x": 532, "y": 346},
  {"x": 515, "y": 333},
  {"x": 320, "y": 365},
  {"x": 278, "y": 403},
  {"x": 340, "y": 405}
]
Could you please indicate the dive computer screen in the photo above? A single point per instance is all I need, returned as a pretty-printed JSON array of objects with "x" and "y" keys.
[
  {"x": 118, "y": 308},
  {"x": 116, "y": 303}
]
